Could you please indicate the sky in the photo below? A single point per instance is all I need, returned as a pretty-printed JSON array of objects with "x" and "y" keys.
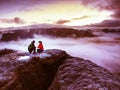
[{"x": 60, "y": 12}]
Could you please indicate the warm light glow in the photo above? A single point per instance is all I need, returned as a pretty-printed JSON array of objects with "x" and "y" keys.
[
  {"x": 62, "y": 11},
  {"x": 5, "y": 25},
  {"x": 90, "y": 20}
]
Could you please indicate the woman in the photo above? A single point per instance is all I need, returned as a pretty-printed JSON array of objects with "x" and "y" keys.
[{"x": 40, "y": 47}]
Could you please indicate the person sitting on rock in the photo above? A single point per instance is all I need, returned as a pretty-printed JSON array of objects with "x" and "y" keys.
[
  {"x": 31, "y": 47},
  {"x": 40, "y": 47}
]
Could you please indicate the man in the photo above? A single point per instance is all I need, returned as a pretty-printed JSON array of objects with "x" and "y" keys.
[{"x": 32, "y": 48}]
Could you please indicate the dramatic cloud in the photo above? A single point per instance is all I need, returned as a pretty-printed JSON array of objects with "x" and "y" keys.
[
  {"x": 106, "y": 23},
  {"x": 111, "y": 5},
  {"x": 73, "y": 19},
  {"x": 62, "y": 21},
  {"x": 115, "y": 5},
  {"x": 16, "y": 20},
  {"x": 41, "y": 10},
  {"x": 25, "y": 3}
]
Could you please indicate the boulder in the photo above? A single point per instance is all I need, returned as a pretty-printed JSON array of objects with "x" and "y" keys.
[
  {"x": 54, "y": 69},
  {"x": 80, "y": 74},
  {"x": 38, "y": 72}
]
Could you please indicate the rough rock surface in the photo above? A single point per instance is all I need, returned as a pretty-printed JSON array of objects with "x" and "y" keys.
[
  {"x": 80, "y": 74},
  {"x": 35, "y": 73},
  {"x": 8, "y": 64},
  {"x": 55, "y": 70}
]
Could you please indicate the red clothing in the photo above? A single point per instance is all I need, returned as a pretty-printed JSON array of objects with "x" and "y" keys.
[{"x": 40, "y": 46}]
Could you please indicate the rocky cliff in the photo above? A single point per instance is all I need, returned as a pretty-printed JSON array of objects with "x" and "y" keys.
[
  {"x": 55, "y": 70},
  {"x": 80, "y": 74},
  {"x": 54, "y": 32}
]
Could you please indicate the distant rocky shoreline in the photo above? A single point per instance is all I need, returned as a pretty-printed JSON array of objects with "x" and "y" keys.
[
  {"x": 53, "y": 69},
  {"x": 14, "y": 35}
]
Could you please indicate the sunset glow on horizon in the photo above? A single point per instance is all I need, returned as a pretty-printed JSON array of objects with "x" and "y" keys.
[{"x": 70, "y": 13}]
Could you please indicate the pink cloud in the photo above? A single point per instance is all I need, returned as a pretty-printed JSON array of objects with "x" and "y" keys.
[
  {"x": 16, "y": 20},
  {"x": 81, "y": 17},
  {"x": 62, "y": 21},
  {"x": 106, "y": 23},
  {"x": 110, "y": 5}
]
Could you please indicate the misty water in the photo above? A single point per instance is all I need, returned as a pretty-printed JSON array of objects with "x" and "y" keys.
[{"x": 103, "y": 50}]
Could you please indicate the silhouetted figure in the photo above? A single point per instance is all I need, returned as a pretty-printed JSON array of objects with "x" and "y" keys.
[
  {"x": 40, "y": 47},
  {"x": 32, "y": 48}
]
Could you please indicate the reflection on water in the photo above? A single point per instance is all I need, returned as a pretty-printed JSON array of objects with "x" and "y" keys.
[{"x": 102, "y": 50}]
